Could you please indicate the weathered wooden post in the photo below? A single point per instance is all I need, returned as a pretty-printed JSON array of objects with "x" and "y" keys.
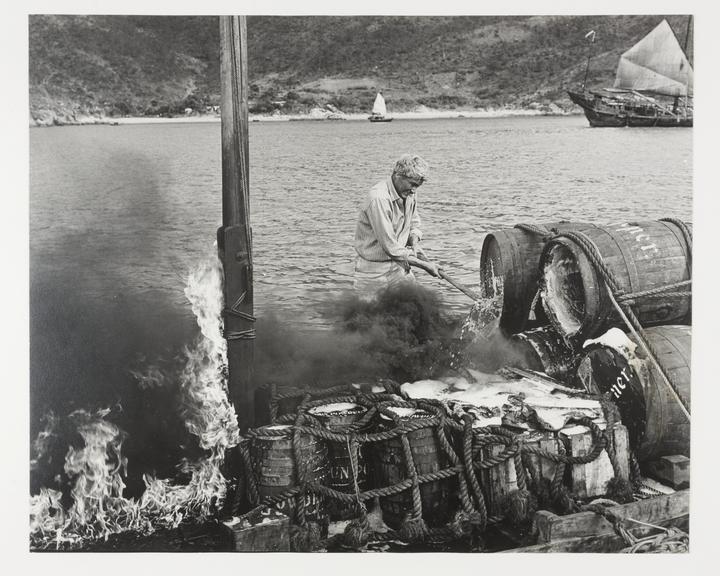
[{"x": 235, "y": 236}]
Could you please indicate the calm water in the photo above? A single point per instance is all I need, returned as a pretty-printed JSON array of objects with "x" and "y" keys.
[{"x": 118, "y": 215}]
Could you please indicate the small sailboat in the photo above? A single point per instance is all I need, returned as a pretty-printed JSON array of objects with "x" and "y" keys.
[
  {"x": 653, "y": 86},
  {"x": 379, "y": 111}
]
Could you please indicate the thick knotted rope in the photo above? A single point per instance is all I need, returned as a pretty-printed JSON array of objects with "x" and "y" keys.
[{"x": 545, "y": 233}]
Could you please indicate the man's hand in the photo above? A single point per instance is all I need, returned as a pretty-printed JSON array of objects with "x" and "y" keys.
[
  {"x": 430, "y": 267},
  {"x": 414, "y": 245}
]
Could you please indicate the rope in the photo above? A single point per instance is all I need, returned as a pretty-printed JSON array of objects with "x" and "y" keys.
[
  {"x": 464, "y": 494},
  {"x": 404, "y": 427},
  {"x": 412, "y": 473},
  {"x": 668, "y": 540},
  {"x": 556, "y": 485},
  {"x": 273, "y": 403},
  {"x": 470, "y": 471},
  {"x": 300, "y": 470},
  {"x": 593, "y": 254},
  {"x": 240, "y": 334},
  {"x": 657, "y": 292},
  {"x": 535, "y": 229},
  {"x": 234, "y": 310},
  {"x": 248, "y": 471}
]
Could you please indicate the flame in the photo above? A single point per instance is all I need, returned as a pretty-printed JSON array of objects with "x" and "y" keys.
[
  {"x": 97, "y": 469},
  {"x": 47, "y": 516}
]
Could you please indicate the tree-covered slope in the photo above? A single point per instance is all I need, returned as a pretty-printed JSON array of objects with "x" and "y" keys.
[{"x": 160, "y": 65}]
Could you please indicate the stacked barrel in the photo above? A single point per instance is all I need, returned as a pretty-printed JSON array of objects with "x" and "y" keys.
[
  {"x": 425, "y": 467},
  {"x": 565, "y": 285},
  {"x": 317, "y": 464}
]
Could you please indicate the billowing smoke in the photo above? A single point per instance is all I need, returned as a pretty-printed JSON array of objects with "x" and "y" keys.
[{"x": 402, "y": 334}]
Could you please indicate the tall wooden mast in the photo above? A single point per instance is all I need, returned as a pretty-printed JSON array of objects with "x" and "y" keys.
[{"x": 235, "y": 236}]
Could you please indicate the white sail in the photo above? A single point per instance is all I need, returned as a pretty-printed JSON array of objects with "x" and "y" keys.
[
  {"x": 379, "y": 106},
  {"x": 656, "y": 64}
]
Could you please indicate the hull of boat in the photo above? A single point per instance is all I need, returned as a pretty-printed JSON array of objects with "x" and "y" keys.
[
  {"x": 618, "y": 115},
  {"x": 380, "y": 119}
]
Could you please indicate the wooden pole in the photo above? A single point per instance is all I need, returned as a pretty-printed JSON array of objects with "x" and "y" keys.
[{"x": 235, "y": 235}]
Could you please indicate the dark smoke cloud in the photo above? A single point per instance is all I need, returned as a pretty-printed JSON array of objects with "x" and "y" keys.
[{"x": 403, "y": 334}]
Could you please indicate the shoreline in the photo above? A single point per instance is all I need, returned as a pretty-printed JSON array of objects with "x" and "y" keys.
[{"x": 313, "y": 116}]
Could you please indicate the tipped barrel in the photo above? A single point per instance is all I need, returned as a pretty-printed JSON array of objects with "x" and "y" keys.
[
  {"x": 544, "y": 350},
  {"x": 656, "y": 423},
  {"x": 510, "y": 265}
]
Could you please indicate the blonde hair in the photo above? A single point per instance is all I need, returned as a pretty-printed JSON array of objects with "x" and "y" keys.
[{"x": 411, "y": 166}]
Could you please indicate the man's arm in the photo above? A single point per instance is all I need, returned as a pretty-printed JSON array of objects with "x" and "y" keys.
[{"x": 416, "y": 236}]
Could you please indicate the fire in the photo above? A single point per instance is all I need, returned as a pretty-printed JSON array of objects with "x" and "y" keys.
[{"x": 97, "y": 469}]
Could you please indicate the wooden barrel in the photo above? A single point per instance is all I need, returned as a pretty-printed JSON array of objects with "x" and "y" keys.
[
  {"x": 509, "y": 264},
  {"x": 655, "y": 420},
  {"x": 275, "y": 469},
  {"x": 338, "y": 417},
  {"x": 390, "y": 468},
  {"x": 641, "y": 256},
  {"x": 544, "y": 350}
]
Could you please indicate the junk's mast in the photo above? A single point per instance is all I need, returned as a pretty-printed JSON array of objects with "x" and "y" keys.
[{"x": 235, "y": 236}]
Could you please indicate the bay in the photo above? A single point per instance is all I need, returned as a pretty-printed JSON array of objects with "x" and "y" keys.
[{"x": 120, "y": 214}]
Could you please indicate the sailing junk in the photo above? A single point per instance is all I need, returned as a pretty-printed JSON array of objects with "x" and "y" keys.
[
  {"x": 379, "y": 111},
  {"x": 653, "y": 86}
]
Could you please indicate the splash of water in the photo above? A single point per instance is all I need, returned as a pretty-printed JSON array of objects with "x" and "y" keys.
[
  {"x": 484, "y": 316},
  {"x": 99, "y": 508}
]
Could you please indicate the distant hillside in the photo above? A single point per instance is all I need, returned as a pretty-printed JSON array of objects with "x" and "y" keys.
[{"x": 163, "y": 65}]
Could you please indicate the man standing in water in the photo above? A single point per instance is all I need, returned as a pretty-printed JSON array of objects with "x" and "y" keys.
[{"x": 387, "y": 236}]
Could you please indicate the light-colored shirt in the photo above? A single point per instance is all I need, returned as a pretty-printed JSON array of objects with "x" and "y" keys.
[{"x": 384, "y": 224}]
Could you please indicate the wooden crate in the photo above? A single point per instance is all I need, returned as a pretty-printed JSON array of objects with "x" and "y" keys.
[
  {"x": 270, "y": 533},
  {"x": 592, "y": 479},
  {"x": 590, "y": 532}
]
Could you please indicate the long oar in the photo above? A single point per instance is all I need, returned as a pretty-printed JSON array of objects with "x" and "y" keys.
[{"x": 464, "y": 289}]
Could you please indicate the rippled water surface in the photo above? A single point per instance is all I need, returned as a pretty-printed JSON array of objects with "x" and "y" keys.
[
  {"x": 118, "y": 214},
  {"x": 134, "y": 206}
]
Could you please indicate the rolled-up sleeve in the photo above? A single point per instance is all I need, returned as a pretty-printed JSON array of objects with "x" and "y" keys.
[{"x": 379, "y": 212}]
